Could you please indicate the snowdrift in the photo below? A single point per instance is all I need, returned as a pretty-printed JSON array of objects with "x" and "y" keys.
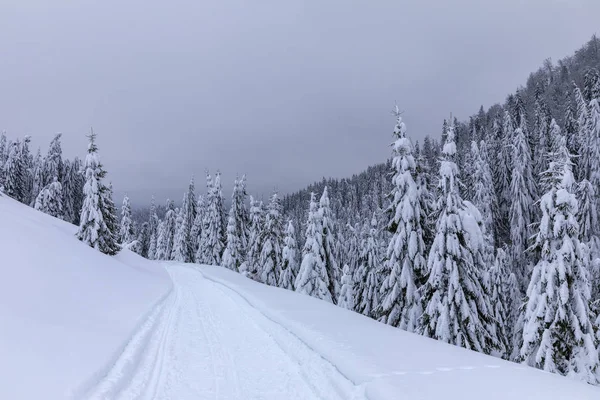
[
  {"x": 66, "y": 310},
  {"x": 392, "y": 364}
]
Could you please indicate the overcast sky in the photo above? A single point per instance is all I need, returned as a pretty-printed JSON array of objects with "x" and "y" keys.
[{"x": 285, "y": 91}]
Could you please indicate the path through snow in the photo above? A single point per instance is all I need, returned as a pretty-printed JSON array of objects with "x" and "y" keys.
[{"x": 206, "y": 342}]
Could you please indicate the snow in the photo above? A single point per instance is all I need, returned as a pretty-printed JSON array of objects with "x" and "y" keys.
[
  {"x": 80, "y": 324},
  {"x": 66, "y": 309}
]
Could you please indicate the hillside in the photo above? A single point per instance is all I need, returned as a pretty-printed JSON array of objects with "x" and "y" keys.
[{"x": 79, "y": 324}]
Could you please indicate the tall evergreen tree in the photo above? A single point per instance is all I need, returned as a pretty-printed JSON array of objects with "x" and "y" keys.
[
  {"x": 346, "y": 299},
  {"x": 558, "y": 334},
  {"x": 366, "y": 276},
  {"x": 271, "y": 244},
  {"x": 521, "y": 210},
  {"x": 457, "y": 310},
  {"x": 312, "y": 278},
  {"x": 153, "y": 230},
  {"x": 93, "y": 227},
  {"x": 234, "y": 253},
  {"x": 126, "y": 234},
  {"x": 406, "y": 266},
  {"x": 166, "y": 237},
  {"x": 53, "y": 164},
  {"x": 484, "y": 197},
  {"x": 250, "y": 266},
  {"x": 15, "y": 181},
  {"x": 211, "y": 245},
  {"x": 181, "y": 240},
  {"x": 289, "y": 261},
  {"x": 328, "y": 245}
]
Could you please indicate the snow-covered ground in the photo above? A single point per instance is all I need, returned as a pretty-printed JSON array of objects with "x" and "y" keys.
[{"x": 78, "y": 324}]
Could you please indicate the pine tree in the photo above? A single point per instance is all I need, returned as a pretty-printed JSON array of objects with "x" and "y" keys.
[
  {"x": 558, "y": 334},
  {"x": 289, "y": 262},
  {"x": 312, "y": 278},
  {"x": 484, "y": 197},
  {"x": 49, "y": 200},
  {"x": 143, "y": 240},
  {"x": 406, "y": 266},
  {"x": 15, "y": 174},
  {"x": 366, "y": 276},
  {"x": 93, "y": 227},
  {"x": 327, "y": 236},
  {"x": 196, "y": 231},
  {"x": 250, "y": 267},
  {"x": 271, "y": 244},
  {"x": 126, "y": 235},
  {"x": 521, "y": 210},
  {"x": 166, "y": 237},
  {"x": 38, "y": 182},
  {"x": 189, "y": 210},
  {"x": 234, "y": 253},
  {"x": 456, "y": 304},
  {"x": 583, "y": 117},
  {"x": 53, "y": 164},
  {"x": 503, "y": 295},
  {"x": 181, "y": 243},
  {"x": 109, "y": 212},
  {"x": 346, "y": 299},
  {"x": 502, "y": 176},
  {"x": 211, "y": 246},
  {"x": 153, "y": 230}
]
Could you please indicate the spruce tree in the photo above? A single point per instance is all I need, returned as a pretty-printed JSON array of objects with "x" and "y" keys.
[
  {"x": 484, "y": 197},
  {"x": 521, "y": 209},
  {"x": 457, "y": 310},
  {"x": 249, "y": 267},
  {"x": 289, "y": 261},
  {"x": 406, "y": 266},
  {"x": 166, "y": 237},
  {"x": 312, "y": 278},
  {"x": 181, "y": 238},
  {"x": 126, "y": 234},
  {"x": 49, "y": 200},
  {"x": 558, "y": 334},
  {"x": 15, "y": 183},
  {"x": 211, "y": 246},
  {"x": 94, "y": 230},
  {"x": 196, "y": 231},
  {"x": 234, "y": 253},
  {"x": 327, "y": 237},
  {"x": 153, "y": 230},
  {"x": 271, "y": 244},
  {"x": 189, "y": 212},
  {"x": 346, "y": 299},
  {"x": 366, "y": 276},
  {"x": 53, "y": 164},
  {"x": 109, "y": 212}
]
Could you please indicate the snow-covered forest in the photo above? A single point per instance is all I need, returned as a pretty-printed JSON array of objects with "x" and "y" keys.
[{"x": 485, "y": 237}]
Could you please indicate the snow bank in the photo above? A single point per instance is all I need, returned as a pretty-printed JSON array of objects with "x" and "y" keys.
[
  {"x": 390, "y": 363},
  {"x": 66, "y": 310}
]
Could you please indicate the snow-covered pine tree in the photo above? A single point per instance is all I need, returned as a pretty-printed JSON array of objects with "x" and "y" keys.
[
  {"x": 406, "y": 266},
  {"x": 249, "y": 267},
  {"x": 181, "y": 239},
  {"x": 109, "y": 210},
  {"x": 328, "y": 245},
  {"x": 457, "y": 308},
  {"x": 367, "y": 274},
  {"x": 558, "y": 334},
  {"x": 504, "y": 295},
  {"x": 126, "y": 235},
  {"x": 53, "y": 164},
  {"x": 189, "y": 212},
  {"x": 196, "y": 230},
  {"x": 271, "y": 244},
  {"x": 49, "y": 200},
  {"x": 166, "y": 238},
  {"x": 312, "y": 278},
  {"x": 521, "y": 209},
  {"x": 234, "y": 253},
  {"x": 583, "y": 117},
  {"x": 153, "y": 230},
  {"x": 484, "y": 197},
  {"x": 93, "y": 227},
  {"x": 38, "y": 175},
  {"x": 346, "y": 299},
  {"x": 211, "y": 246},
  {"x": 143, "y": 240},
  {"x": 15, "y": 174},
  {"x": 501, "y": 171},
  {"x": 541, "y": 133},
  {"x": 290, "y": 265},
  {"x": 425, "y": 185}
]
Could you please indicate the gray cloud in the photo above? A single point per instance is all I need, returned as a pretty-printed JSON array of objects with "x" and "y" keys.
[{"x": 286, "y": 92}]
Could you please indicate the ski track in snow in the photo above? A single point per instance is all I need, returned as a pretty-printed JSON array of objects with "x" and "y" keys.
[{"x": 205, "y": 341}]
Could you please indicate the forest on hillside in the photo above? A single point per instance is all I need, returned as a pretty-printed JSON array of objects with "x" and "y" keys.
[{"x": 486, "y": 237}]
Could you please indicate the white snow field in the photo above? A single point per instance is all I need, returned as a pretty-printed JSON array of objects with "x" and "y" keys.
[{"x": 76, "y": 324}]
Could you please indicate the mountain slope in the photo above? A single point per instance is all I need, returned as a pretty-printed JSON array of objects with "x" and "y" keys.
[
  {"x": 74, "y": 326},
  {"x": 66, "y": 309}
]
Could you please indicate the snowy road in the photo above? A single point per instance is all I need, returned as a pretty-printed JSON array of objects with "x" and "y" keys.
[{"x": 206, "y": 342}]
